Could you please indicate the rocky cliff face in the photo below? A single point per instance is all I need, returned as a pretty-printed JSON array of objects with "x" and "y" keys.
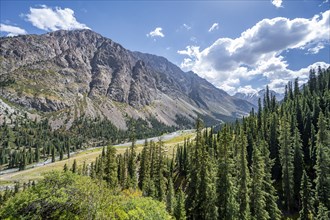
[{"x": 66, "y": 74}]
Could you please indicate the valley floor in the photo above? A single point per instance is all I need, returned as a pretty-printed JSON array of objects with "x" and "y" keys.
[{"x": 36, "y": 171}]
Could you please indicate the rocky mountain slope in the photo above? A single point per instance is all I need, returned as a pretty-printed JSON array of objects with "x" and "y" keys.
[
  {"x": 254, "y": 97},
  {"x": 64, "y": 75}
]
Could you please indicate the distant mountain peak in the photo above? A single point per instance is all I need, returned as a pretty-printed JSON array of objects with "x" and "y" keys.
[
  {"x": 67, "y": 74},
  {"x": 253, "y": 97}
]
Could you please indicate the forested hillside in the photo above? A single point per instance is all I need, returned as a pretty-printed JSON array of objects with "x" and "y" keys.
[
  {"x": 275, "y": 163},
  {"x": 24, "y": 141}
]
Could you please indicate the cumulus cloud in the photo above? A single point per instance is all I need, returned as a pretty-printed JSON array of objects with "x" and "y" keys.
[
  {"x": 277, "y": 3},
  {"x": 52, "y": 19},
  {"x": 156, "y": 33},
  {"x": 257, "y": 52},
  {"x": 191, "y": 51},
  {"x": 214, "y": 27},
  {"x": 11, "y": 30}
]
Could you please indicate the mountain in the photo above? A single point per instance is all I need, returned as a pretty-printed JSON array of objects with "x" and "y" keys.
[
  {"x": 254, "y": 97},
  {"x": 64, "y": 75}
]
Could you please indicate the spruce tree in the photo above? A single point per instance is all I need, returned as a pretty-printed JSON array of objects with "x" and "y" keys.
[
  {"x": 74, "y": 168},
  {"x": 37, "y": 154},
  {"x": 226, "y": 189},
  {"x": 298, "y": 162},
  {"x": 258, "y": 195},
  {"x": 243, "y": 179},
  {"x": 170, "y": 196},
  {"x": 286, "y": 157},
  {"x": 271, "y": 193},
  {"x": 53, "y": 154},
  {"x": 159, "y": 170},
  {"x": 322, "y": 164},
  {"x": 323, "y": 213},
  {"x": 208, "y": 194},
  {"x": 132, "y": 166},
  {"x": 111, "y": 168},
  {"x": 194, "y": 181},
  {"x": 65, "y": 168},
  {"x": 144, "y": 172},
  {"x": 306, "y": 212},
  {"x": 180, "y": 211}
]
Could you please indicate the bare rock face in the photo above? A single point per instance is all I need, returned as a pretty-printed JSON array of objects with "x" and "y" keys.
[{"x": 79, "y": 72}]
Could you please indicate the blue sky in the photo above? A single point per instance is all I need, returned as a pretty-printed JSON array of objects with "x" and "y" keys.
[{"x": 239, "y": 46}]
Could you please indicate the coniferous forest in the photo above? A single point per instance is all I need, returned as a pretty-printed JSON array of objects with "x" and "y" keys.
[{"x": 273, "y": 164}]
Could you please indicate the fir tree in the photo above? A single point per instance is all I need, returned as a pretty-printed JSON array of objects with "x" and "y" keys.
[
  {"x": 111, "y": 167},
  {"x": 37, "y": 154},
  {"x": 322, "y": 164},
  {"x": 53, "y": 154},
  {"x": 193, "y": 189},
  {"x": 323, "y": 213},
  {"x": 226, "y": 190},
  {"x": 298, "y": 165},
  {"x": 271, "y": 194},
  {"x": 243, "y": 180},
  {"x": 170, "y": 197},
  {"x": 286, "y": 163},
  {"x": 65, "y": 168},
  {"x": 74, "y": 166},
  {"x": 306, "y": 212},
  {"x": 258, "y": 195},
  {"x": 132, "y": 166},
  {"x": 179, "y": 211}
]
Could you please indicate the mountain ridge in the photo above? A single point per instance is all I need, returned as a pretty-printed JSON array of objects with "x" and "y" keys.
[
  {"x": 253, "y": 97},
  {"x": 69, "y": 74}
]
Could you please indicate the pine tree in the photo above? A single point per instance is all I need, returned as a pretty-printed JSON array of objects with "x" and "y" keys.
[
  {"x": 132, "y": 166},
  {"x": 271, "y": 194},
  {"x": 53, "y": 154},
  {"x": 258, "y": 195},
  {"x": 208, "y": 195},
  {"x": 322, "y": 164},
  {"x": 99, "y": 168},
  {"x": 37, "y": 154},
  {"x": 323, "y": 213},
  {"x": 170, "y": 196},
  {"x": 111, "y": 168},
  {"x": 226, "y": 190},
  {"x": 193, "y": 188},
  {"x": 298, "y": 162},
  {"x": 306, "y": 212},
  {"x": 159, "y": 169},
  {"x": 144, "y": 172},
  {"x": 23, "y": 160},
  {"x": 243, "y": 180},
  {"x": 65, "y": 168},
  {"x": 179, "y": 211},
  {"x": 274, "y": 148},
  {"x": 286, "y": 158},
  {"x": 74, "y": 166}
]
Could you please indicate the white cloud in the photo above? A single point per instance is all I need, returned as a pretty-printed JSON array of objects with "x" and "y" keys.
[
  {"x": 214, "y": 27},
  {"x": 52, "y": 19},
  {"x": 191, "y": 51},
  {"x": 12, "y": 30},
  {"x": 247, "y": 90},
  {"x": 277, "y": 3},
  {"x": 316, "y": 49},
  {"x": 156, "y": 33},
  {"x": 186, "y": 26},
  {"x": 257, "y": 52}
]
